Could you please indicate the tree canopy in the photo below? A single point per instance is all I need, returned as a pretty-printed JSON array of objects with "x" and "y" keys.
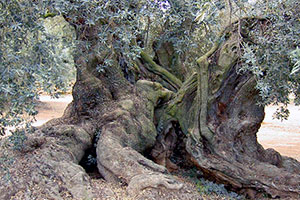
[
  {"x": 160, "y": 86},
  {"x": 131, "y": 27}
]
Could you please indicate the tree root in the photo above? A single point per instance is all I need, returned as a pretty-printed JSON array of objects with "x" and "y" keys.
[
  {"x": 47, "y": 167},
  {"x": 119, "y": 147},
  {"x": 143, "y": 181}
]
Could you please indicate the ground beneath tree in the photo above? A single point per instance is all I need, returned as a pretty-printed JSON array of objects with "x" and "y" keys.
[
  {"x": 284, "y": 136},
  {"x": 50, "y": 108}
]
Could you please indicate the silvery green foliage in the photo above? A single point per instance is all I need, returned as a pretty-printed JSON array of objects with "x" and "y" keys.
[
  {"x": 124, "y": 28},
  {"x": 29, "y": 61},
  {"x": 120, "y": 30},
  {"x": 91, "y": 160},
  {"x": 273, "y": 54}
]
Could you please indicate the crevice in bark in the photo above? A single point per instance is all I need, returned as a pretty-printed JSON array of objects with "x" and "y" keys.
[
  {"x": 89, "y": 161},
  {"x": 169, "y": 149},
  {"x": 128, "y": 73},
  {"x": 180, "y": 156},
  {"x": 145, "y": 116}
]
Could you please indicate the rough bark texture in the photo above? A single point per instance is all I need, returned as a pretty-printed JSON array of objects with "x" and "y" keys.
[
  {"x": 209, "y": 122},
  {"x": 47, "y": 167}
]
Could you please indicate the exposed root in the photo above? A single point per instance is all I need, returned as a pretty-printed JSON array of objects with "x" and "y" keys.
[
  {"x": 126, "y": 135},
  {"x": 143, "y": 181},
  {"x": 47, "y": 167}
]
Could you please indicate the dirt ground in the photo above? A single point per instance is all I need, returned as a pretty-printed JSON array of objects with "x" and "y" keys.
[
  {"x": 49, "y": 108},
  {"x": 282, "y": 136}
]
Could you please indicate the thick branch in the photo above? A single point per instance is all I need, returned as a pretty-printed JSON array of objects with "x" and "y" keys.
[
  {"x": 155, "y": 68},
  {"x": 202, "y": 94}
]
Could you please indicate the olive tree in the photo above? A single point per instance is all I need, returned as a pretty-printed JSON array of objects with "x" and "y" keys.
[{"x": 160, "y": 85}]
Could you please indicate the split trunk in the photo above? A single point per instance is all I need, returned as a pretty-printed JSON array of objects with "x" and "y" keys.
[{"x": 144, "y": 122}]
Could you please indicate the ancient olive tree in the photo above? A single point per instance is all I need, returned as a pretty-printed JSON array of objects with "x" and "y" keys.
[{"x": 162, "y": 85}]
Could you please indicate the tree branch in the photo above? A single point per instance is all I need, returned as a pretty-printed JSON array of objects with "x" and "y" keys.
[
  {"x": 165, "y": 75},
  {"x": 202, "y": 93}
]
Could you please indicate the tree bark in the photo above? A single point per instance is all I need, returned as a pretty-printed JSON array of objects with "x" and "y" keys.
[{"x": 212, "y": 118}]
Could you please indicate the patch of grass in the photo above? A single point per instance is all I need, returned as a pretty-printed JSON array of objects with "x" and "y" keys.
[
  {"x": 210, "y": 188},
  {"x": 17, "y": 139}
]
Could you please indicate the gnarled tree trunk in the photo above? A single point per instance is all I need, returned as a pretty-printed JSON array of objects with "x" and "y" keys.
[{"x": 206, "y": 118}]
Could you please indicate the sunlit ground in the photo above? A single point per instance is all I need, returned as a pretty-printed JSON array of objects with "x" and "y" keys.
[
  {"x": 282, "y": 136},
  {"x": 50, "y": 108}
]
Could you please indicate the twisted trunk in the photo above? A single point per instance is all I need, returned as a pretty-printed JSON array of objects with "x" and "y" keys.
[{"x": 144, "y": 130}]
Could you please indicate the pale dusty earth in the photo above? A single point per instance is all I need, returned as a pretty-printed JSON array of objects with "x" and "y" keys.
[{"x": 283, "y": 136}]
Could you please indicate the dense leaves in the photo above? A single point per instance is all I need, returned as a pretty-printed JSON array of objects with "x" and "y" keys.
[
  {"x": 122, "y": 29},
  {"x": 29, "y": 61},
  {"x": 273, "y": 55}
]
